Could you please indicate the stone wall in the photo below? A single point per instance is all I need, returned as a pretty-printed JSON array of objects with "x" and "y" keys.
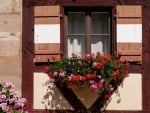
[{"x": 10, "y": 41}]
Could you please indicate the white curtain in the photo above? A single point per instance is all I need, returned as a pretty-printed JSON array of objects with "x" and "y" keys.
[
  {"x": 76, "y": 44},
  {"x": 100, "y": 44},
  {"x": 100, "y": 33},
  {"x": 76, "y": 33}
]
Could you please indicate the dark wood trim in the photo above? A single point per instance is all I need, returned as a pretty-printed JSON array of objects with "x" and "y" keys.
[
  {"x": 62, "y": 31},
  {"x": 146, "y": 58},
  {"x": 90, "y": 3},
  {"x": 69, "y": 111},
  {"x": 27, "y": 53},
  {"x": 113, "y": 30},
  {"x": 72, "y": 99},
  {"x": 28, "y": 47},
  {"x": 65, "y": 33},
  {"x": 113, "y": 111}
]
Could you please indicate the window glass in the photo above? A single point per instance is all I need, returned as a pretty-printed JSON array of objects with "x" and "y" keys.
[
  {"x": 100, "y": 35},
  {"x": 76, "y": 23},
  {"x": 100, "y": 44},
  {"x": 100, "y": 22},
  {"x": 76, "y": 44},
  {"x": 78, "y": 35}
]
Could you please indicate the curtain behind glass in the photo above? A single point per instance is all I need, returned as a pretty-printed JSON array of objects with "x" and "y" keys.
[
  {"x": 100, "y": 34},
  {"x": 76, "y": 33},
  {"x": 76, "y": 44},
  {"x": 100, "y": 44}
]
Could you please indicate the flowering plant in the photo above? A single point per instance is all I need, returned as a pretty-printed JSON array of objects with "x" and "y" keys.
[
  {"x": 10, "y": 101},
  {"x": 100, "y": 71}
]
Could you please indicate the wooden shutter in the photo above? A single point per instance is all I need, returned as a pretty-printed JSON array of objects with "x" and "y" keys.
[
  {"x": 129, "y": 32},
  {"x": 47, "y": 15}
]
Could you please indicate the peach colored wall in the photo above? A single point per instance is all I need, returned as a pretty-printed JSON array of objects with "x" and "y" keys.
[{"x": 10, "y": 41}]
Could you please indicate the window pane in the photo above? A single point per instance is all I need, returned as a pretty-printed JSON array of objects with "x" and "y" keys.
[
  {"x": 100, "y": 23},
  {"x": 76, "y": 23},
  {"x": 100, "y": 44},
  {"x": 76, "y": 44}
]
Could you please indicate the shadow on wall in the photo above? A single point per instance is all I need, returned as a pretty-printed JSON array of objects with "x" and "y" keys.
[{"x": 54, "y": 100}]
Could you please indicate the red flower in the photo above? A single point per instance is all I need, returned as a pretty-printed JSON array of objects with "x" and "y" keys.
[
  {"x": 82, "y": 78},
  {"x": 89, "y": 76},
  {"x": 116, "y": 73},
  {"x": 100, "y": 84},
  {"x": 53, "y": 58},
  {"x": 45, "y": 69},
  {"x": 107, "y": 96},
  {"x": 75, "y": 78},
  {"x": 122, "y": 60},
  {"x": 99, "y": 65},
  {"x": 126, "y": 72},
  {"x": 101, "y": 58},
  {"x": 86, "y": 56},
  {"x": 108, "y": 58},
  {"x": 51, "y": 74},
  {"x": 74, "y": 55},
  {"x": 89, "y": 69}
]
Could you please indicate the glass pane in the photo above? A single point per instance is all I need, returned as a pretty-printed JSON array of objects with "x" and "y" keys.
[
  {"x": 100, "y": 23},
  {"x": 100, "y": 44},
  {"x": 76, "y": 23},
  {"x": 76, "y": 44}
]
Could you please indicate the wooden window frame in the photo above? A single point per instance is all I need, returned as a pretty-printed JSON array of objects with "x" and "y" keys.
[{"x": 110, "y": 10}]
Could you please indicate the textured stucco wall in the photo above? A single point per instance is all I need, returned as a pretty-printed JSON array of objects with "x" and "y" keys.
[
  {"x": 125, "y": 99},
  {"x": 10, "y": 41}
]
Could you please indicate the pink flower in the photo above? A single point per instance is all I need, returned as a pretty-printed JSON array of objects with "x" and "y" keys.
[
  {"x": 94, "y": 86},
  {"x": 111, "y": 89},
  {"x": 2, "y": 97},
  {"x": 69, "y": 78},
  {"x": 93, "y": 55},
  {"x": 91, "y": 81},
  {"x": 62, "y": 74},
  {"x": 10, "y": 100},
  {"x": 94, "y": 64},
  {"x": 55, "y": 73},
  {"x": 4, "y": 106},
  {"x": 99, "y": 76},
  {"x": 20, "y": 103},
  {"x": 9, "y": 85},
  {"x": 74, "y": 55}
]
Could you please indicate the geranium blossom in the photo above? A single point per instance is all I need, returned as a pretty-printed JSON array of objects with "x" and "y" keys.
[{"x": 99, "y": 71}]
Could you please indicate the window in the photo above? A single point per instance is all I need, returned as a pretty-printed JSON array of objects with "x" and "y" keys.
[{"x": 88, "y": 31}]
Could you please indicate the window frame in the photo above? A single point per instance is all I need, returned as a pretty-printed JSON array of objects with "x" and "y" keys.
[{"x": 110, "y": 10}]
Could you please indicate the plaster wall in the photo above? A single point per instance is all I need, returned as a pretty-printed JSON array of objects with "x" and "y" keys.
[{"x": 10, "y": 41}]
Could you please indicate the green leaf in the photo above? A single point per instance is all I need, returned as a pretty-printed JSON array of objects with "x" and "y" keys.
[{"x": 15, "y": 111}]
